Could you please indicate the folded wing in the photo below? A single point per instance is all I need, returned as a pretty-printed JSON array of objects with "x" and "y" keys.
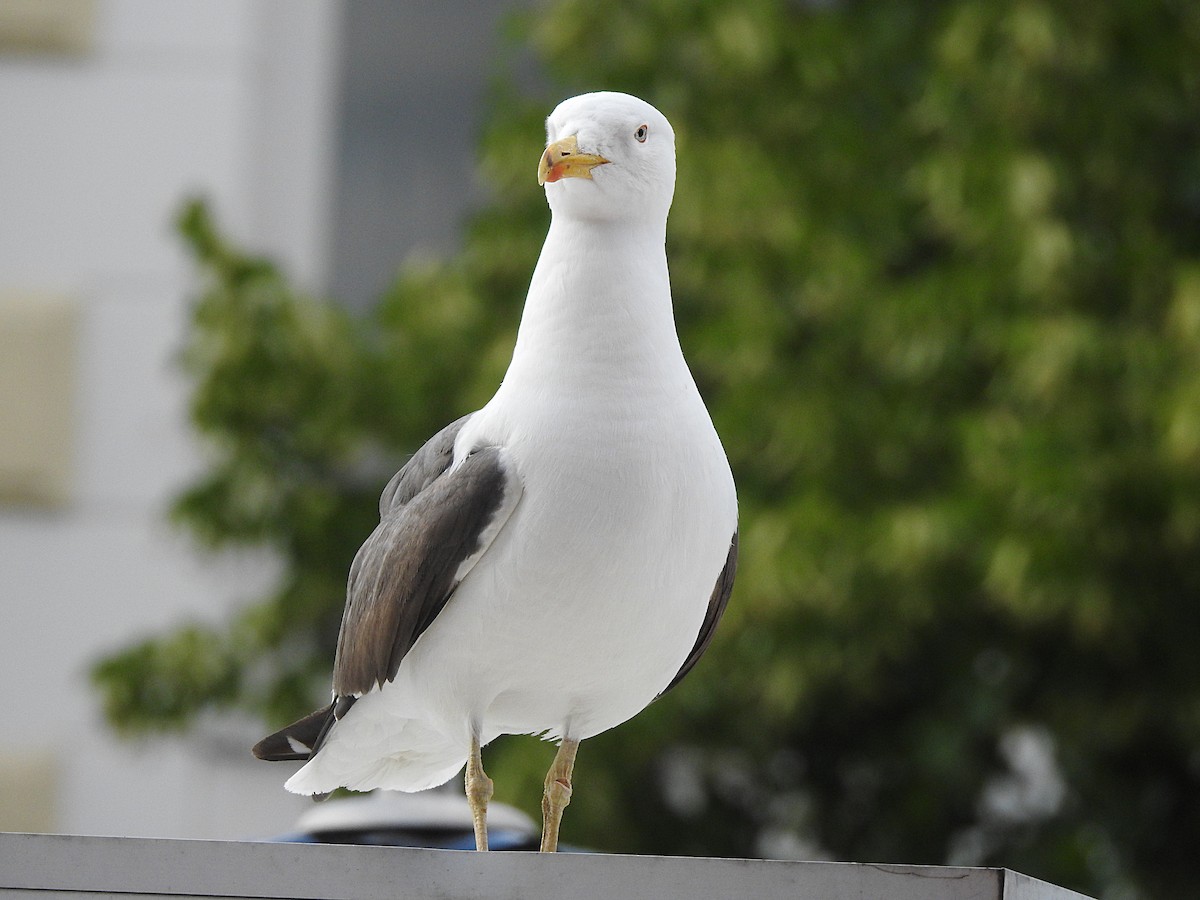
[{"x": 437, "y": 520}]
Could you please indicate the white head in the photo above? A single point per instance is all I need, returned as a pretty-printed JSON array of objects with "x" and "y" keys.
[{"x": 608, "y": 157}]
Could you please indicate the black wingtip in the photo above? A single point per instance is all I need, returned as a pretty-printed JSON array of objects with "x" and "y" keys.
[
  {"x": 277, "y": 748},
  {"x": 298, "y": 741}
]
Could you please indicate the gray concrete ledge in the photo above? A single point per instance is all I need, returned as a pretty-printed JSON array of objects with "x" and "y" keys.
[{"x": 47, "y": 866}]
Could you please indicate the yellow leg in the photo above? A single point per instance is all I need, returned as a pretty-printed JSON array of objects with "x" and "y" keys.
[
  {"x": 557, "y": 794},
  {"x": 479, "y": 792}
]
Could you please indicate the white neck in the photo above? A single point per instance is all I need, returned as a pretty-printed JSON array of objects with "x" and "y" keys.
[{"x": 599, "y": 310}]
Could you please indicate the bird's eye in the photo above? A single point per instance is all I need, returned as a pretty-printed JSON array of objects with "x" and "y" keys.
[{"x": 642, "y": 133}]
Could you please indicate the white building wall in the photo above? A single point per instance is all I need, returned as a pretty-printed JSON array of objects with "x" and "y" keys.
[{"x": 232, "y": 99}]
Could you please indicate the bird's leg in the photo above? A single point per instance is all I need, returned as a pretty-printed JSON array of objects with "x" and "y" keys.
[
  {"x": 479, "y": 792},
  {"x": 558, "y": 793}
]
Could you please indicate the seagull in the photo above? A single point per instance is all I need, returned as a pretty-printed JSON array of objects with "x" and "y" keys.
[{"x": 553, "y": 562}]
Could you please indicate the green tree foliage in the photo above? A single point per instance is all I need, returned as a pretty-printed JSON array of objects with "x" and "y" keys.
[{"x": 937, "y": 270}]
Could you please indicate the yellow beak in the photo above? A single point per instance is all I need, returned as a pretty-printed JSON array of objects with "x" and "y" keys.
[{"x": 562, "y": 159}]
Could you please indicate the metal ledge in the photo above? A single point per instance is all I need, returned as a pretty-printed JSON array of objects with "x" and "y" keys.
[{"x": 46, "y": 866}]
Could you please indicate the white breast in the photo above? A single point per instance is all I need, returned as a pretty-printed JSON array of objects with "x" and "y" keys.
[{"x": 592, "y": 596}]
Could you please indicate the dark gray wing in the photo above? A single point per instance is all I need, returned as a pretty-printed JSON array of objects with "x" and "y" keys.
[
  {"x": 422, "y": 467},
  {"x": 426, "y": 542},
  {"x": 435, "y": 523},
  {"x": 716, "y": 607}
]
